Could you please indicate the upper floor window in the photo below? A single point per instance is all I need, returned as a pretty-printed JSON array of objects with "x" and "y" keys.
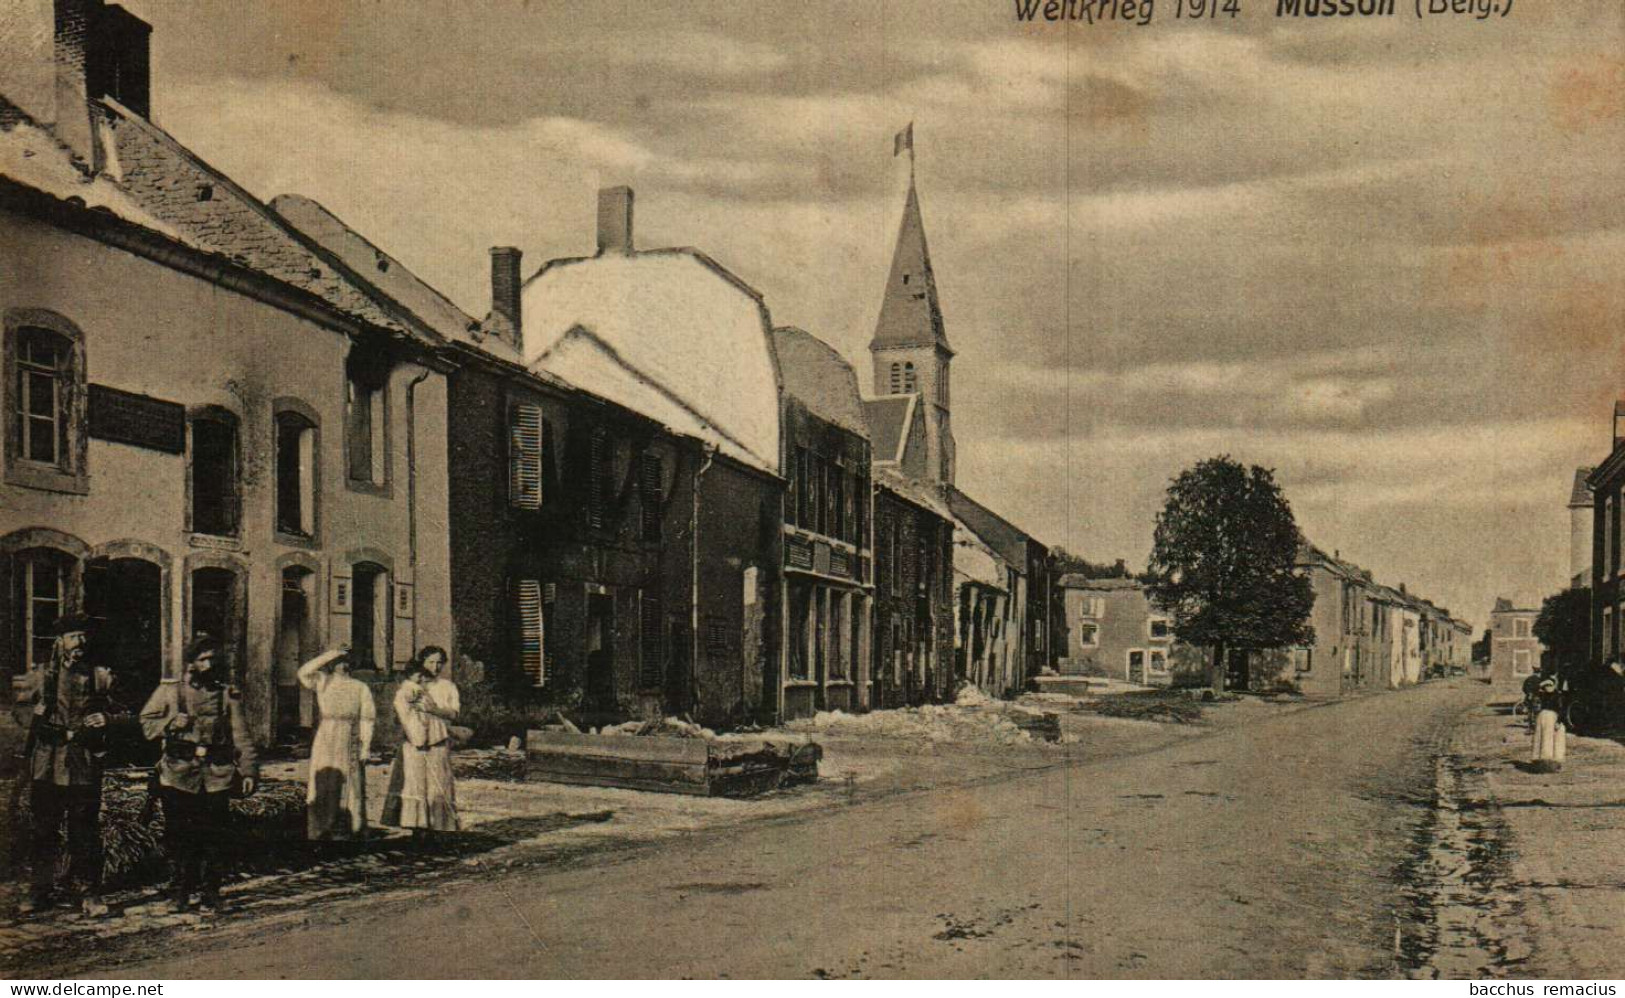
[
  {"x": 45, "y": 407},
  {"x": 295, "y": 474},
  {"x": 600, "y": 475},
  {"x": 910, "y": 379},
  {"x": 214, "y": 467},
  {"x": 44, "y": 377},
  {"x": 366, "y": 377},
  {"x": 1160, "y": 628},
  {"x": 651, "y": 494},
  {"x": 1520, "y": 628},
  {"x": 896, "y": 378},
  {"x": 527, "y": 430}
]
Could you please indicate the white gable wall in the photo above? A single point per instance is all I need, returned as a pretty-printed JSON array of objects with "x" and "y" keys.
[{"x": 674, "y": 319}]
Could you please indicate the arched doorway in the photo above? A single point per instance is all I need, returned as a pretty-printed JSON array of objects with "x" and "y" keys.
[
  {"x": 124, "y": 598},
  {"x": 296, "y": 642}
]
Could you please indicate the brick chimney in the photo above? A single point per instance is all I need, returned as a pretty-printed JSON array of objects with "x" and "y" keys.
[
  {"x": 505, "y": 284},
  {"x": 57, "y": 55},
  {"x": 615, "y": 220}
]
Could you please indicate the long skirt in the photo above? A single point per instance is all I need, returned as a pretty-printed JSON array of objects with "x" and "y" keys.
[
  {"x": 422, "y": 793},
  {"x": 1551, "y": 746},
  {"x": 336, "y": 802}
]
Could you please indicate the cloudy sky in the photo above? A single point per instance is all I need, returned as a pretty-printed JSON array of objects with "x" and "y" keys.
[{"x": 1382, "y": 257}]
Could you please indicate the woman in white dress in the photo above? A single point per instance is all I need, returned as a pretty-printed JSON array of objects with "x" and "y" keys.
[
  {"x": 422, "y": 795},
  {"x": 336, "y": 802}
]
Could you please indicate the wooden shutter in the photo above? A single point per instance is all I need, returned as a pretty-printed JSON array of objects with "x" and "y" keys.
[
  {"x": 528, "y": 606},
  {"x": 652, "y": 636},
  {"x": 525, "y": 457},
  {"x": 598, "y": 478},
  {"x": 651, "y": 495}
]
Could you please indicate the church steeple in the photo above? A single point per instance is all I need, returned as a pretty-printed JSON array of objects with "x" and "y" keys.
[
  {"x": 910, "y": 314},
  {"x": 910, "y": 345}
]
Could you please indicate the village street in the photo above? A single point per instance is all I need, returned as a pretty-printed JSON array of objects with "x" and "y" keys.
[{"x": 1267, "y": 849}]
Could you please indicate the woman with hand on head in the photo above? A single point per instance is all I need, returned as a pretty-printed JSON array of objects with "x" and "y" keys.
[
  {"x": 422, "y": 795},
  {"x": 336, "y": 803}
]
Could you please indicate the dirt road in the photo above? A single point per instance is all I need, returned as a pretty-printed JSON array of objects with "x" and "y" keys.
[{"x": 1264, "y": 851}]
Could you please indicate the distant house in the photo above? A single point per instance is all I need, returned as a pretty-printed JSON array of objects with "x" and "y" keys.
[
  {"x": 914, "y": 594},
  {"x": 1113, "y": 631},
  {"x": 1514, "y": 649},
  {"x": 1582, "y": 505},
  {"x": 1607, "y": 594}
]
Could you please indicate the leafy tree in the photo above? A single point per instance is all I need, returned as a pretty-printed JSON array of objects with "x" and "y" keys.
[
  {"x": 1481, "y": 648},
  {"x": 1564, "y": 627},
  {"x": 1223, "y": 563}
]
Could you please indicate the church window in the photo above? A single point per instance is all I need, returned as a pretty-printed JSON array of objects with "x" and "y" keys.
[
  {"x": 896, "y": 378},
  {"x": 910, "y": 384}
]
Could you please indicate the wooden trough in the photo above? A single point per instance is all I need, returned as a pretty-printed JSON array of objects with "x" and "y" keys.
[{"x": 670, "y": 764}]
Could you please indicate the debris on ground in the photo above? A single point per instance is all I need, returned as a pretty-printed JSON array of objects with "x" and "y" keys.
[
  {"x": 986, "y": 721},
  {"x": 675, "y": 755},
  {"x": 1151, "y": 705}
]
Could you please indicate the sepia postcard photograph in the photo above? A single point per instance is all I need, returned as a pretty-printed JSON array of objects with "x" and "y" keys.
[{"x": 903, "y": 489}]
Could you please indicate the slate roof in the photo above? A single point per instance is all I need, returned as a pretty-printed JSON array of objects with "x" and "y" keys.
[
  {"x": 817, "y": 376},
  {"x": 911, "y": 490},
  {"x": 888, "y": 420},
  {"x": 1004, "y": 537},
  {"x": 210, "y": 212},
  {"x": 910, "y": 314},
  {"x": 379, "y": 269}
]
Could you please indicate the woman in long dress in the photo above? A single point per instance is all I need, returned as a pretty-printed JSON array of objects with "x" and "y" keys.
[
  {"x": 336, "y": 802},
  {"x": 422, "y": 795}
]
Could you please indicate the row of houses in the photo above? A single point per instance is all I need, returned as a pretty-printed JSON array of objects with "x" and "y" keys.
[
  {"x": 624, "y": 490},
  {"x": 1367, "y": 636}
]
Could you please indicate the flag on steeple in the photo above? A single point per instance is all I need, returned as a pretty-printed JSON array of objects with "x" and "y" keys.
[{"x": 904, "y": 140}]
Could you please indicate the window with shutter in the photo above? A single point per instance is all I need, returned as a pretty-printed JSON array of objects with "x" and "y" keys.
[
  {"x": 653, "y": 496},
  {"x": 528, "y": 596},
  {"x": 598, "y": 484},
  {"x": 652, "y": 636},
  {"x": 525, "y": 457}
]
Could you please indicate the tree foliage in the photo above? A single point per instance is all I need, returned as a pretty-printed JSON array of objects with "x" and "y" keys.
[
  {"x": 1223, "y": 562},
  {"x": 1564, "y": 627},
  {"x": 1067, "y": 563}
]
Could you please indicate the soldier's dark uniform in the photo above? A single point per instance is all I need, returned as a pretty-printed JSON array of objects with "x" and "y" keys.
[
  {"x": 64, "y": 760},
  {"x": 200, "y": 765}
]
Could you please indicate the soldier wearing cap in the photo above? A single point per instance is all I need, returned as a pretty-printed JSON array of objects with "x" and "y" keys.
[
  {"x": 70, "y": 703},
  {"x": 207, "y": 757}
]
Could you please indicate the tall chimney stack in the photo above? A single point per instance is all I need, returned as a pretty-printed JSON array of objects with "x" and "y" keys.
[
  {"x": 615, "y": 220},
  {"x": 505, "y": 308}
]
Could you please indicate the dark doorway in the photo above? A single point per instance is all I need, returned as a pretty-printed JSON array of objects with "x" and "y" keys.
[
  {"x": 124, "y": 598},
  {"x": 600, "y": 685},
  {"x": 1237, "y": 671},
  {"x": 217, "y": 612},
  {"x": 369, "y": 621},
  {"x": 295, "y": 643}
]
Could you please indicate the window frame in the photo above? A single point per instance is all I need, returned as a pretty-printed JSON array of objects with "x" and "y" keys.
[
  {"x": 311, "y": 490},
  {"x": 223, "y": 415},
  {"x": 380, "y": 437},
  {"x": 70, "y": 472}
]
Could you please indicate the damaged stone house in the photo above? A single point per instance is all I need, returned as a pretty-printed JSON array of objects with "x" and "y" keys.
[
  {"x": 914, "y": 593},
  {"x": 211, "y": 425},
  {"x": 828, "y": 562}
]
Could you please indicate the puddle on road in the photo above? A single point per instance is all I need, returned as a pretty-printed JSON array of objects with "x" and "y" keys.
[{"x": 1461, "y": 915}]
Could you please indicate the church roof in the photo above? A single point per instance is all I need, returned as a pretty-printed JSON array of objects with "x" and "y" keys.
[
  {"x": 888, "y": 420},
  {"x": 910, "y": 315}
]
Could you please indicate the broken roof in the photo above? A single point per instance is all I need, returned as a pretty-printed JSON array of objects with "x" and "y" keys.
[
  {"x": 1000, "y": 534},
  {"x": 820, "y": 378},
  {"x": 383, "y": 272},
  {"x": 910, "y": 489},
  {"x": 1076, "y": 581}
]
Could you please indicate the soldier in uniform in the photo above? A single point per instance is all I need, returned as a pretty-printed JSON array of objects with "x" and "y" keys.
[
  {"x": 207, "y": 756},
  {"x": 70, "y": 703}
]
